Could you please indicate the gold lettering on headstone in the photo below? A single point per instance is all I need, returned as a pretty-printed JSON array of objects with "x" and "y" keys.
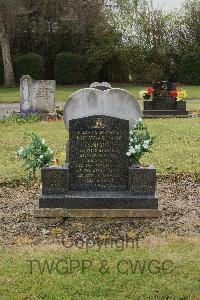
[{"x": 98, "y": 151}]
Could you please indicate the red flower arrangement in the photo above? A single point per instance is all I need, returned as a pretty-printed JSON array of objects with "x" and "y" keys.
[
  {"x": 174, "y": 94},
  {"x": 178, "y": 95},
  {"x": 150, "y": 91},
  {"x": 50, "y": 120}
]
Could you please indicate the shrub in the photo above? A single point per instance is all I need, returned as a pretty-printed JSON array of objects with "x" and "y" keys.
[
  {"x": 140, "y": 142},
  {"x": 29, "y": 64},
  {"x": 68, "y": 68},
  {"x": 35, "y": 156},
  {"x": 137, "y": 58},
  {"x": 189, "y": 68},
  {"x": 153, "y": 73},
  {"x": 91, "y": 71},
  {"x": 118, "y": 70}
]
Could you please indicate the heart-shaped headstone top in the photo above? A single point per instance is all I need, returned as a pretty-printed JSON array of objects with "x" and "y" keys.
[
  {"x": 102, "y": 86},
  {"x": 115, "y": 102}
]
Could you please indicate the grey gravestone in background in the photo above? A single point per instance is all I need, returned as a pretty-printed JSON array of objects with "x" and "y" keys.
[
  {"x": 98, "y": 146},
  {"x": 37, "y": 96}
]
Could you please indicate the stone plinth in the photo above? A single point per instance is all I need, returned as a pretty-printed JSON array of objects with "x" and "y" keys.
[
  {"x": 140, "y": 193},
  {"x": 55, "y": 180}
]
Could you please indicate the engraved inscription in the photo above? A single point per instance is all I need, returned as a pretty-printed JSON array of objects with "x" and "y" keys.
[
  {"x": 97, "y": 153},
  {"x": 37, "y": 95}
]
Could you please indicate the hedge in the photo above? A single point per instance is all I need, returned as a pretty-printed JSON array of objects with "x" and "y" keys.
[
  {"x": 29, "y": 64},
  {"x": 118, "y": 70},
  {"x": 189, "y": 69},
  {"x": 68, "y": 68},
  {"x": 138, "y": 61}
]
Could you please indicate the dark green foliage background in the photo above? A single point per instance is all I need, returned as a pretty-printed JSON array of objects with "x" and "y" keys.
[
  {"x": 189, "y": 70},
  {"x": 29, "y": 64},
  {"x": 68, "y": 68},
  {"x": 88, "y": 42}
]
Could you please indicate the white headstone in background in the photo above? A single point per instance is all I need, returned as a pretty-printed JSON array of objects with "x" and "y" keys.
[
  {"x": 37, "y": 96},
  {"x": 114, "y": 102}
]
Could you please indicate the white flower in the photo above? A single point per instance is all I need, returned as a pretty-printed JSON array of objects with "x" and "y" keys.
[
  {"x": 139, "y": 120},
  {"x": 131, "y": 140},
  {"x": 128, "y": 154},
  {"x": 147, "y": 142},
  {"x": 145, "y": 146},
  {"x": 41, "y": 156},
  {"x": 142, "y": 93},
  {"x": 20, "y": 152},
  {"x": 131, "y": 132},
  {"x": 137, "y": 147},
  {"x": 43, "y": 141},
  {"x": 132, "y": 150}
]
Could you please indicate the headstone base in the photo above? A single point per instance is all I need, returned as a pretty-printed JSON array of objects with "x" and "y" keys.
[
  {"x": 139, "y": 200},
  {"x": 96, "y": 213},
  {"x": 99, "y": 200},
  {"x": 165, "y": 112},
  {"x": 163, "y": 107}
]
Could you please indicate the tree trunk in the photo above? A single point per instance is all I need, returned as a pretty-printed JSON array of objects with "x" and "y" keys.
[{"x": 9, "y": 80}]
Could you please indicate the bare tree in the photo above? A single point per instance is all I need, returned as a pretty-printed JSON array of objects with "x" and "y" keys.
[{"x": 5, "y": 27}]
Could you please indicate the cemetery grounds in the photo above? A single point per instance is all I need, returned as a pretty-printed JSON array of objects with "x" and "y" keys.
[{"x": 44, "y": 259}]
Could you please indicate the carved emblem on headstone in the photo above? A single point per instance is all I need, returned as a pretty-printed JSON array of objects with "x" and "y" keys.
[{"x": 99, "y": 123}]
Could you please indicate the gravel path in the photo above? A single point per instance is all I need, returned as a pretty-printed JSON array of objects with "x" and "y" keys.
[
  {"x": 6, "y": 109},
  {"x": 179, "y": 200}
]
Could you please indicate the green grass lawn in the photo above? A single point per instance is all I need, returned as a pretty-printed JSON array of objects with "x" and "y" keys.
[
  {"x": 12, "y": 95},
  {"x": 169, "y": 270},
  {"x": 176, "y": 149}
]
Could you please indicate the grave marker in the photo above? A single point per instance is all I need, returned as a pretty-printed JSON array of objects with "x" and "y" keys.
[
  {"x": 37, "y": 96},
  {"x": 98, "y": 181},
  {"x": 162, "y": 103}
]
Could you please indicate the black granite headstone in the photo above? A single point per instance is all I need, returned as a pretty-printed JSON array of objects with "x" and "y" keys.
[
  {"x": 98, "y": 181},
  {"x": 97, "y": 153},
  {"x": 161, "y": 95},
  {"x": 162, "y": 102}
]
